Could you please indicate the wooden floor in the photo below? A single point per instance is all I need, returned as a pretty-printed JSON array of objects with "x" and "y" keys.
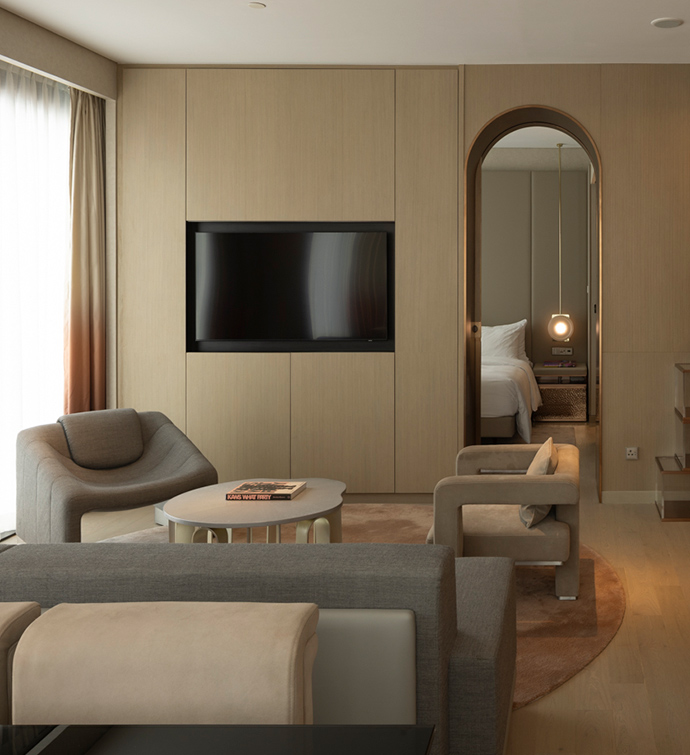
[{"x": 634, "y": 699}]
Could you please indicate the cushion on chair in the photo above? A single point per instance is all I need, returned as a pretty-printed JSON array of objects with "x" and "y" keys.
[
  {"x": 496, "y": 530},
  {"x": 103, "y": 439},
  {"x": 545, "y": 462}
]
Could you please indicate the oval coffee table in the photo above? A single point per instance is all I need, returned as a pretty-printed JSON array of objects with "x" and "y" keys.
[{"x": 193, "y": 514}]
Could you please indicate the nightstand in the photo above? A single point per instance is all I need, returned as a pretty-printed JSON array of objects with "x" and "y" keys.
[{"x": 563, "y": 392}]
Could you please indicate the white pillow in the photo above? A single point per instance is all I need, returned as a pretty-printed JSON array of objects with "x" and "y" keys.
[{"x": 505, "y": 340}]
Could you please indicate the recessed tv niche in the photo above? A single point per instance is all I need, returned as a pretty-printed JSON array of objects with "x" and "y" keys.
[{"x": 290, "y": 287}]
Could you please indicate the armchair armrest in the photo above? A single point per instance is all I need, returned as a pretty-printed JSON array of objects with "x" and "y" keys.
[
  {"x": 507, "y": 489},
  {"x": 514, "y": 457}
]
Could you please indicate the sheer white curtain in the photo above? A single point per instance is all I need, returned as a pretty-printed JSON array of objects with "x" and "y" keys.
[{"x": 34, "y": 258}]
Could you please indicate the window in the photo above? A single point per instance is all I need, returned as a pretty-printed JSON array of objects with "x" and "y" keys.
[{"x": 34, "y": 258}]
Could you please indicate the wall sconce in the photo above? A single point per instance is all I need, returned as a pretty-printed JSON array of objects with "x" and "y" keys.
[{"x": 560, "y": 326}]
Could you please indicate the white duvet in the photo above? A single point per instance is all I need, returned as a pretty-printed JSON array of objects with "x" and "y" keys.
[{"x": 509, "y": 387}]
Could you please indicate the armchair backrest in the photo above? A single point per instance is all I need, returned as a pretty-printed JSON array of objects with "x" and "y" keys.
[{"x": 104, "y": 439}]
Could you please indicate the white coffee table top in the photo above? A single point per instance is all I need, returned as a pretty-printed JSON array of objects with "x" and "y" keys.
[{"x": 207, "y": 507}]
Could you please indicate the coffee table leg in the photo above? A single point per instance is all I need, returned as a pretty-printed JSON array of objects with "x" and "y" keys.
[
  {"x": 206, "y": 535},
  {"x": 322, "y": 530},
  {"x": 335, "y": 519},
  {"x": 302, "y": 530},
  {"x": 221, "y": 534},
  {"x": 183, "y": 533},
  {"x": 273, "y": 533}
]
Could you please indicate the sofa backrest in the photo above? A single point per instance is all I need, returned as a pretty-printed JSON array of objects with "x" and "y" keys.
[{"x": 351, "y": 575}]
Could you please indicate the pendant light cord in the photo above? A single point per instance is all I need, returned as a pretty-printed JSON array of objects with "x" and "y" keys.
[{"x": 560, "y": 232}]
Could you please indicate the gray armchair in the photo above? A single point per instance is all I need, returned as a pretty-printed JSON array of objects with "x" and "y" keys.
[
  {"x": 101, "y": 460},
  {"x": 477, "y": 512}
]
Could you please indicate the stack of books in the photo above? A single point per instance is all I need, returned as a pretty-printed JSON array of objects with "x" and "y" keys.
[{"x": 266, "y": 490}]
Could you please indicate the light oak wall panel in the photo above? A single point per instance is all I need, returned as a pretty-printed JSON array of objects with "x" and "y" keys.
[
  {"x": 491, "y": 90},
  {"x": 639, "y": 406},
  {"x": 151, "y": 252},
  {"x": 426, "y": 375},
  {"x": 645, "y": 146},
  {"x": 238, "y": 412},
  {"x": 343, "y": 419},
  {"x": 646, "y": 153},
  {"x": 291, "y": 145}
]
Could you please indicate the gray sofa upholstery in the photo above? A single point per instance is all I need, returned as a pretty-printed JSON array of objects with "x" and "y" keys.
[
  {"x": 464, "y": 608},
  {"x": 107, "y": 460}
]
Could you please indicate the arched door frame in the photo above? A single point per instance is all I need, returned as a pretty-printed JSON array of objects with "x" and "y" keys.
[{"x": 495, "y": 129}]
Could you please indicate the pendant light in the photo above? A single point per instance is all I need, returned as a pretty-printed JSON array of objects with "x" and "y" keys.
[{"x": 560, "y": 326}]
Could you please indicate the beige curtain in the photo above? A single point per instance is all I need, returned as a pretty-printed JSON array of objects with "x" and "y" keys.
[{"x": 85, "y": 323}]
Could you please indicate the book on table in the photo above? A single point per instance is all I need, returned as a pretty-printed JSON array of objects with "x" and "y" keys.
[{"x": 266, "y": 490}]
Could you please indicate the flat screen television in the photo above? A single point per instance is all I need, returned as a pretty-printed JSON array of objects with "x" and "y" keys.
[{"x": 289, "y": 288}]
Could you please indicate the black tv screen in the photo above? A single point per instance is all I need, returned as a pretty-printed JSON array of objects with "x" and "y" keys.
[{"x": 290, "y": 287}]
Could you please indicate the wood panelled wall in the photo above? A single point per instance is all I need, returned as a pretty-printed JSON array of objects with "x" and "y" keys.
[
  {"x": 426, "y": 349},
  {"x": 638, "y": 116},
  {"x": 404, "y": 162},
  {"x": 296, "y": 145},
  {"x": 645, "y": 147},
  {"x": 292, "y": 145},
  {"x": 151, "y": 242}
]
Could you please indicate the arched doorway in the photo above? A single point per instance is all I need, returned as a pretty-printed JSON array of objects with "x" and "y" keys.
[{"x": 492, "y": 132}]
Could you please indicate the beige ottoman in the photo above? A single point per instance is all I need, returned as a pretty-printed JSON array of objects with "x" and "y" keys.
[{"x": 167, "y": 663}]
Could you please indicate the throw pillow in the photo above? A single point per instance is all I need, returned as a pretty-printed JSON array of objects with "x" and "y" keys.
[
  {"x": 545, "y": 462},
  {"x": 505, "y": 340}
]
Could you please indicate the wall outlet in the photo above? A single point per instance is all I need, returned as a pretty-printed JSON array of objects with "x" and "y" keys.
[
  {"x": 632, "y": 453},
  {"x": 561, "y": 351}
]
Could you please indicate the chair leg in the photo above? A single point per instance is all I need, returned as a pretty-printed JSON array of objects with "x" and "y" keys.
[{"x": 568, "y": 578}]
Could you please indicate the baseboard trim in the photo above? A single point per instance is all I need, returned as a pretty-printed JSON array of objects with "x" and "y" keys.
[{"x": 628, "y": 496}]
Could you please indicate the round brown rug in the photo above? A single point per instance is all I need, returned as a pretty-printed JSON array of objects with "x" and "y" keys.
[
  {"x": 555, "y": 638},
  {"x": 558, "y": 638}
]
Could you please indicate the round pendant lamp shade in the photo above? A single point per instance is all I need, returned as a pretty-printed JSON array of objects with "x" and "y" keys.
[{"x": 560, "y": 327}]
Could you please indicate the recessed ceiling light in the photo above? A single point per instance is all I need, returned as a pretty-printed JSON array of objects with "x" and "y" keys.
[
  {"x": 260, "y": 6},
  {"x": 667, "y": 23}
]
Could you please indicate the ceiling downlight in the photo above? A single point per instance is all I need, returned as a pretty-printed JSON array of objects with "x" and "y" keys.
[{"x": 667, "y": 23}]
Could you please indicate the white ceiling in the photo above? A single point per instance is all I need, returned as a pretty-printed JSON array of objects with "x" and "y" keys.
[{"x": 368, "y": 32}]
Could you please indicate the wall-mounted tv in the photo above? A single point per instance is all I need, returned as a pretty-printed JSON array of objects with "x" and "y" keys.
[{"x": 290, "y": 287}]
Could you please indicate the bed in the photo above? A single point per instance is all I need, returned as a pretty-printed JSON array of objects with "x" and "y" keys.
[{"x": 509, "y": 390}]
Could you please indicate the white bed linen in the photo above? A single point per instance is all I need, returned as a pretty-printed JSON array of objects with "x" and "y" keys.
[{"x": 509, "y": 387}]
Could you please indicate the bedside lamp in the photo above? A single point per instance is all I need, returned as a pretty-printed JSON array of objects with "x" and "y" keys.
[{"x": 560, "y": 326}]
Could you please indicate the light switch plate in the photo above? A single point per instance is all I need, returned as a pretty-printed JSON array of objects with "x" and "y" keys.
[{"x": 561, "y": 351}]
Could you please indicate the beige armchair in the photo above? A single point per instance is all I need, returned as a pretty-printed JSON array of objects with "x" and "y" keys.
[
  {"x": 101, "y": 460},
  {"x": 477, "y": 512}
]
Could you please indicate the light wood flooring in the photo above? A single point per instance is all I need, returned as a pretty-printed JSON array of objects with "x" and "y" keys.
[{"x": 634, "y": 699}]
